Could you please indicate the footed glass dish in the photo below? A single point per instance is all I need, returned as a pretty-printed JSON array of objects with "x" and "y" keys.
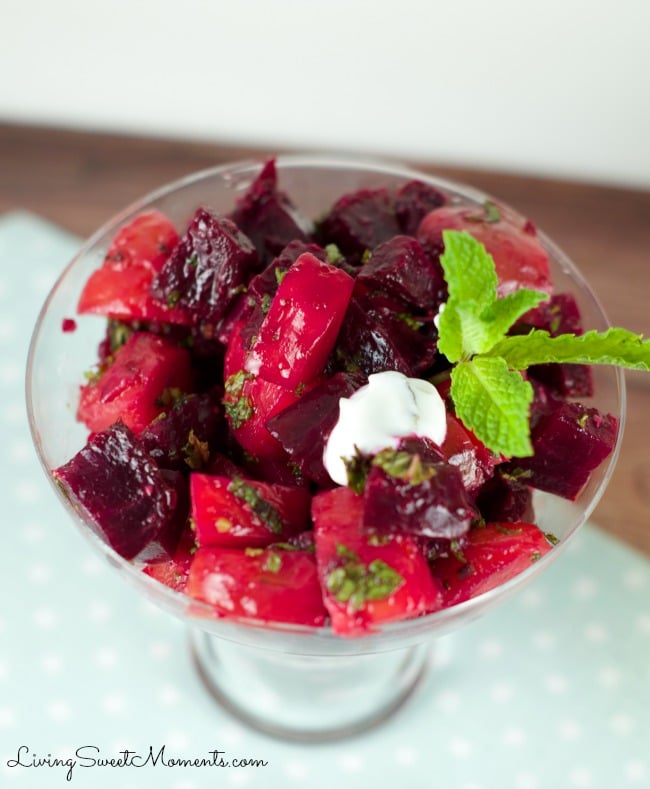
[{"x": 297, "y": 682}]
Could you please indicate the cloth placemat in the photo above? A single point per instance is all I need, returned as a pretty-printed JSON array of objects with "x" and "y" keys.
[{"x": 550, "y": 690}]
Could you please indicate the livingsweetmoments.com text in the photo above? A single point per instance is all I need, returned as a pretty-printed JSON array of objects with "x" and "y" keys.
[{"x": 90, "y": 756}]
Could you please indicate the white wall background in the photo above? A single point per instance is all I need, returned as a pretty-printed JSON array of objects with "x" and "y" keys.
[{"x": 559, "y": 87}]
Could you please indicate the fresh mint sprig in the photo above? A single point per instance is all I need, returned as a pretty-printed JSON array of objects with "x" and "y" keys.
[{"x": 490, "y": 396}]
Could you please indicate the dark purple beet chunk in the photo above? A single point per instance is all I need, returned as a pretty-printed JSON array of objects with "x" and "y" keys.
[
  {"x": 505, "y": 499},
  {"x": 211, "y": 264},
  {"x": 401, "y": 268},
  {"x": 559, "y": 315},
  {"x": 569, "y": 442},
  {"x": 184, "y": 437},
  {"x": 413, "y": 201},
  {"x": 380, "y": 334},
  {"x": 358, "y": 222},
  {"x": 304, "y": 427},
  {"x": 567, "y": 379},
  {"x": 115, "y": 483},
  {"x": 427, "y": 500},
  {"x": 268, "y": 217}
]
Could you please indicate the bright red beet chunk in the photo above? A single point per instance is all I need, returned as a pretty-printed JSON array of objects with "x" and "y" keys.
[
  {"x": 125, "y": 496},
  {"x": 300, "y": 329},
  {"x": 491, "y": 555},
  {"x": 121, "y": 287},
  {"x": 133, "y": 387},
  {"x": 245, "y": 513},
  {"x": 470, "y": 456},
  {"x": 208, "y": 268},
  {"x": 367, "y": 580},
  {"x": 569, "y": 442},
  {"x": 174, "y": 572},
  {"x": 271, "y": 584}
]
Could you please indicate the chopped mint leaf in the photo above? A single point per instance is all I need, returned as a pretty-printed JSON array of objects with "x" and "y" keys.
[
  {"x": 494, "y": 403},
  {"x": 197, "y": 452},
  {"x": 237, "y": 405},
  {"x": 357, "y": 468},
  {"x": 266, "y": 512},
  {"x": 403, "y": 465},
  {"x": 491, "y": 214},
  {"x": 334, "y": 255},
  {"x": 355, "y": 583},
  {"x": 615, "y": 346}
]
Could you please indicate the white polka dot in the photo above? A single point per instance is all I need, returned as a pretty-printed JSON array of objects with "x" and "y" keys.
[
  {"x": 39, "y": 573},
  {"x": 92, "y": 566},
  {"x": 491, "y": 648},
  {"x": 58, "y": 710},
  {"x": 636, "y": 771},
  {"x": 526, "y": 781},
  {"x": 33, "y": 534},
  {"x": 448, "y": 700},
  {"x": 531, "y": 598},
  {"x": 514, "y": 736},
  {"x": 160, "y": 650},
  {"x": 636, "y": 578},
  {"x": 27, "y": 492},
  {"x": 544, "y": 639},
  {"x": 595, "y": 633},
  {"x": 7, "y": 717},
  {"x": 569, "y": 730},
  {"x": 621, "y": 724},
  {"x": 643, "y": 624},
  {"x": 20, "y": 451},
  {"x": 609, "y": 677},
  {"x": 99, "y": 611},
  {"x": 502, "y": 692},
  {"x": 460, "y": 748},
  {"x": 406, "y": 755},
  {"x": 296, "y": 771},
  {"x": 584, "y": 588},
  {"x": 106, "y": 657},
  {"x": 580, "y": 776},
  {"x": 556, "y": 683},
  {"x": 169, "y": 695},
  {"x": 351, "y": 763},
  {"x": 230, "y": 735},
  {"x": 52, "y": 664},
  {"x": 177, "y": 740},
  {"x": 114, "y": 704},
  {"x": 13, "y": 413},
  {"x": 45, "y": 618},
  {"x": 11, "y": 372}
]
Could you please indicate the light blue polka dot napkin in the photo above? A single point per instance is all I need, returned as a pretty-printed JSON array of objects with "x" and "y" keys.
[{"x": 550, "y": 690}]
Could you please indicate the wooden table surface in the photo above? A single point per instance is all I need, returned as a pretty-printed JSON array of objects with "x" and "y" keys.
[{"x": 78, "y": 180}]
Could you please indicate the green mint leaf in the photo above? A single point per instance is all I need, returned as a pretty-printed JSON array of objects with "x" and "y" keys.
[
  {"x": 494, "y": 403},
  {"x": 469, "y": 270},
  {"x": 615, "y": 346}
]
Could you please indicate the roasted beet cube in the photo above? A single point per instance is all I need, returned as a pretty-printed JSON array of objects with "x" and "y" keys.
[
  {"x": 559, "y": 315},
  {"x": 408, "y": 491},
  {"x": 184, "y": 436},
  {"x": 358, "y": 222},
  {"x": 211, "y": 264},
  {"x": 173, "y": 572},
  {"x": 268, "y": 217},
  {"x": 142, "y": 378},
  {"x": 489, "y": 556},
  {"x": 304, "y": 427},
  {"x": 272, "y": 584},
  {"x": 366, "y": 579},
  {"x": 123, "y": 494},
  {"x": 401, "y": 268},
  {"x": 569, "y": 442},
  {"x": 300, "y": 329},
  {"x": 379, "y": 333},
  {"x": 413, "y": 201},
  {"x": 242, "y": 512},
  {"x": 506, "y": 499}
]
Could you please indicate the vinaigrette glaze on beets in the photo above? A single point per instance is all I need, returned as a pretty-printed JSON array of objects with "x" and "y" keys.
[{"x": 229, "y": 345}]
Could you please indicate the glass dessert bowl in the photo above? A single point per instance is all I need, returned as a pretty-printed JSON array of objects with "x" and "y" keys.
[{"x": 291, "y": 680}]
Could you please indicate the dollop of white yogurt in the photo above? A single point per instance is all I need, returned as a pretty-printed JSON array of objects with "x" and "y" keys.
[{"x": 389, "y": 407}]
